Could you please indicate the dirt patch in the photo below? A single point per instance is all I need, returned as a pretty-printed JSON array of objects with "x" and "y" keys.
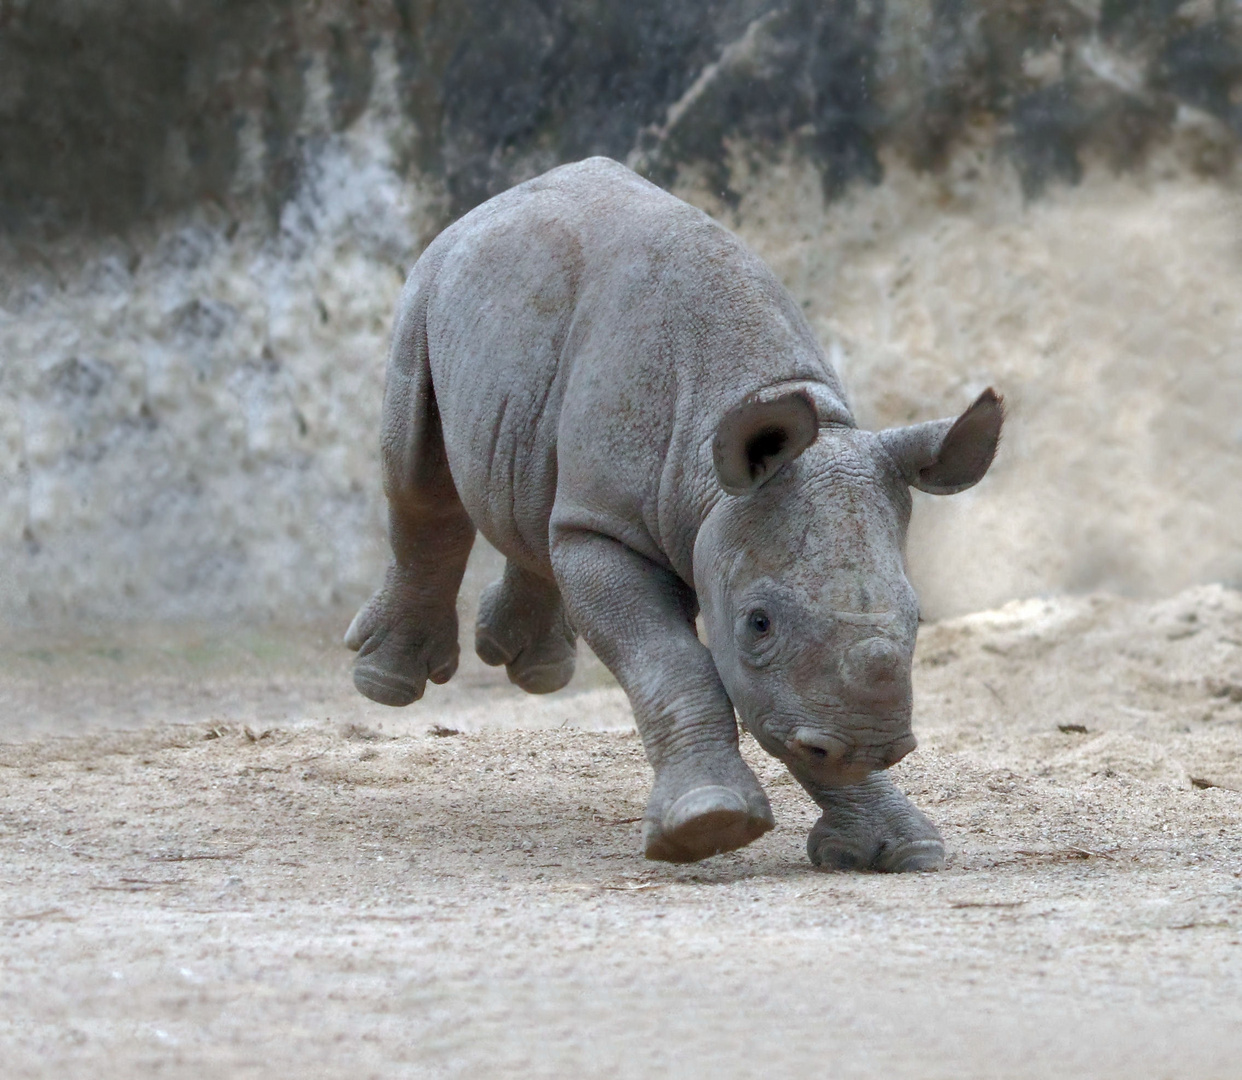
[{"x": 448, "y": 897}]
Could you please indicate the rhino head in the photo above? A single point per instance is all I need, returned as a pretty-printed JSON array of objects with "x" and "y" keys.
[{"x": 801, "y": 578}]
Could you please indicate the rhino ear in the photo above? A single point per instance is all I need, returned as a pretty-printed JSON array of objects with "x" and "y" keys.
[
  {"x": 944, "y": 457},
  {"x": 757, "y": 437}
]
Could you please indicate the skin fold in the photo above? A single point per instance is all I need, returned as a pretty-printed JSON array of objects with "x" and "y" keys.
[{"x": 632, "y": 409}]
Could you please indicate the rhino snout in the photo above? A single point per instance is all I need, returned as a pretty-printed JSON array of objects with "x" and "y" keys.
[
  {"x": 874, "y": 670},
  {"x": 893, "y": 752}
]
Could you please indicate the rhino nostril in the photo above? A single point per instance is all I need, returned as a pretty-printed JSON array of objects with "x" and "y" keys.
[{"x": 817, "y": 747}]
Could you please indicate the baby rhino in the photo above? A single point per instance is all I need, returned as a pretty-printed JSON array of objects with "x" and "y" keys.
[{"x": 630, "y": 407}]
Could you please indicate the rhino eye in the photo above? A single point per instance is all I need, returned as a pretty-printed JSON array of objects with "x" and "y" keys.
[{"x": 759, "y": 622}]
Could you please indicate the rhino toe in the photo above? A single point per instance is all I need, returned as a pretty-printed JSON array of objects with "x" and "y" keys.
[
  {"x": 910, "y": 856},
  {"x": 386, "y": 688},
  {"x": 903, "y": 857},
  {"x": 831, "y": 853},
  {"x": 542, "y": 678},
  {"x": 541, "y": 667},
  {"x": 398, "y": 677}
]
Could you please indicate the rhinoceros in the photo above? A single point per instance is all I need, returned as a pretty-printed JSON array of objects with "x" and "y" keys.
[{"x": 626, "y": 402}]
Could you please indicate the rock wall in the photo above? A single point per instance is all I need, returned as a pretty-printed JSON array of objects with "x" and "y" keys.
[
  {"x": 114, "y": 111},
  {"x": 189, "y": 410},
  {"x": 207, "y": 209}
]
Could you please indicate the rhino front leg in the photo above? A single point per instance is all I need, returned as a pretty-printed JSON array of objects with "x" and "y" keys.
[
  {"x": 872, "y": 826},
  {"x": 522, "y": 624},
  {"x": 639, "y": 619}
]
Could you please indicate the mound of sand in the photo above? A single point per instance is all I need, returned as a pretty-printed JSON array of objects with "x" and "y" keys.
[{"x": 1093, "y": 685}]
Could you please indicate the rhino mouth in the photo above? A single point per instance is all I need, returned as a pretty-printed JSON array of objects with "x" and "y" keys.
[
  {"x": 833, "y": 746},
  {"x": 834, "y": 757}
]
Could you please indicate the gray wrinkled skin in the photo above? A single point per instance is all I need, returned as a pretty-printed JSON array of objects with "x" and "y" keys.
[{"x": 631, "y": 408}]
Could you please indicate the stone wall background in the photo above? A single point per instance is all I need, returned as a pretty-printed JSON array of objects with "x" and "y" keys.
[{"x": 207, "y": 210}]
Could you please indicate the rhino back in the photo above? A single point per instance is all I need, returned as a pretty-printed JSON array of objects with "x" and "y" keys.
[{"x": 586, "y": 333}]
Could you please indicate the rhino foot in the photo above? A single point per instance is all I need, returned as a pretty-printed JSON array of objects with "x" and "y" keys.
[
  {"x": 873, "y": 826},
  {"x": 401, "y": 645},
  {"x": 522, "y": 625},
  {"x": 706, "y": 821}
]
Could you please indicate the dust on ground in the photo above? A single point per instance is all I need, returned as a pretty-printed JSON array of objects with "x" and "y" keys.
[
  {"x": 278, "y": 886},
  {"x": 1108, "y": 314}
]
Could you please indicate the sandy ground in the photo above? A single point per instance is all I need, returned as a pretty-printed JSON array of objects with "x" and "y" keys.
[{"x": 289, "y": 881}]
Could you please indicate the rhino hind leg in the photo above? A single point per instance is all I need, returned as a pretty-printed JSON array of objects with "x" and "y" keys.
[
  {"x": 522, "y": 625},
  {"x": 406, "y": 634},
  {"x": 873, "y": 826}
]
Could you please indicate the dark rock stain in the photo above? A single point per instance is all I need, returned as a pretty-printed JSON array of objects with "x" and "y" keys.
[{"x": 119, "y": 112}]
